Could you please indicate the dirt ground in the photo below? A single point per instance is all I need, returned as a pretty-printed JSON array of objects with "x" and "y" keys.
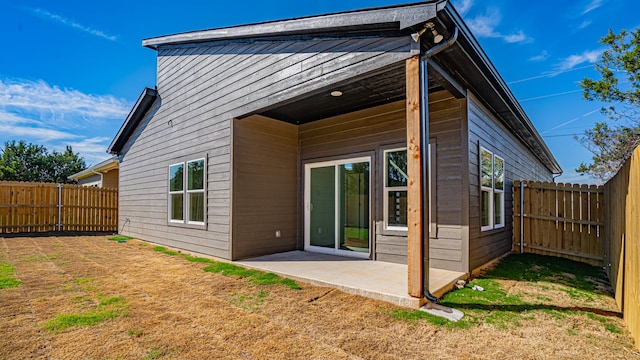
[{"x": 175, "y": 310}]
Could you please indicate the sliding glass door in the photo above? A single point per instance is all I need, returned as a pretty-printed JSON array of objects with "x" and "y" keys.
[{"x": 338, "y": 207}]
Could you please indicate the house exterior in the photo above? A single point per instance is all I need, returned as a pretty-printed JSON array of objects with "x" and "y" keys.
[
  {"x": 384, "y": 134},
  {"x": 102, "y": 175}
]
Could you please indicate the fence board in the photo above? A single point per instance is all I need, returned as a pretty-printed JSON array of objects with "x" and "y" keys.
[
  {"x": 622, "y": 194},
  {"x": 516, "y": 210},
  {"x": 33, "y": 207},
  {"x": 558, "y": 219}
]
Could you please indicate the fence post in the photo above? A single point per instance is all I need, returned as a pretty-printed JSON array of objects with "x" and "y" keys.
[
  {"x": 59, "y": 205},
  {"x": 521, "y": 217}
]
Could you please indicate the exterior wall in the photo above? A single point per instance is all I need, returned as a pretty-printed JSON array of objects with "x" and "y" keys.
[
  {"x": 93, "y": 180},
  {"x": 372, "y": 131},
  {"x": 265, "y": 184},
  {"x": 362, "y": 133},
  {"x": 201, "y": 88},
  {"x": 520, "y": 163},
  {"x": 110, "y": 179},
  {"x": 448, "y": 239}
]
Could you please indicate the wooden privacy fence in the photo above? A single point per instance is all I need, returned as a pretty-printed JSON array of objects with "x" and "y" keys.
[
  {"x": 623, "y": 240},
  {"x": 559, "y": 219},
  {"x": 44, "y": 207}
]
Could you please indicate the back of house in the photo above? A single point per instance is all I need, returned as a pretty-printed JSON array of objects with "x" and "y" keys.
[{"x": 297, "y": 135}]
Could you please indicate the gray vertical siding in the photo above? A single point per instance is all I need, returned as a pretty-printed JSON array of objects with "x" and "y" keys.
[
  {"x": 201, "y": 88},
  {"x": 520, "y": 163}
]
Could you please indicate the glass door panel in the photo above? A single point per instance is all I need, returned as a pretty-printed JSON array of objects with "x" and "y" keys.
[
  {"x": 338, "y": 206},
  {"x": 353, "y": 198},
  {"x": 322, "y": 226}
]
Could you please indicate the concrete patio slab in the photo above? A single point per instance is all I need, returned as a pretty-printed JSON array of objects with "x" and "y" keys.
[{"x": 374, "y": 279}]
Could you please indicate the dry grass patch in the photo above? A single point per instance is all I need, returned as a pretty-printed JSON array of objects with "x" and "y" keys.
[{"x": 171, "y": 305}]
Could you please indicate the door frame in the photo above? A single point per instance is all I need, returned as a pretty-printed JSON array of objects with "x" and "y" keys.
[{"x": 307, "y": 207}]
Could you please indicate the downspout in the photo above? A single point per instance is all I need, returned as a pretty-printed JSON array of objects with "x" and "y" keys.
[
  {"x": 99, "y": 174},
  {"x": 424, "y": 156}
]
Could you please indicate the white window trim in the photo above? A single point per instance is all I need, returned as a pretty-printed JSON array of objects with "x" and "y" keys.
[
  {"x": 187, "y": 191},
  {"x": 492, "y": 191},
  {"x": 185, "y": 222},
  {"x": 176, "y": 221},
  {"x": 387, "y": 189},
  {"x": 502, "y": 223},
  {"x": 308, "y": 207}
]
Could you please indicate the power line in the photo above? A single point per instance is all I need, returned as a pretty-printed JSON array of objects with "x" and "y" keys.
[
  {"x": 550, "y": 74},
  {"x": 559, "y": 135},
  {"x": 551, "y": 95}
]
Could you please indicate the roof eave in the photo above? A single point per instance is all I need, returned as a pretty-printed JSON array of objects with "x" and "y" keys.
[
  {"x": 104, "y": 166},
  {"x": 136, "y": 114},
  {"x": 405, "y": 16}
]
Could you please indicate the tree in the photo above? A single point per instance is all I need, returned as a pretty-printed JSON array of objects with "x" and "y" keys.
[
  {"x": 28, "y": 162},
  {"x": 612, "y": 145},
  {"x": 64, "y": 164}
]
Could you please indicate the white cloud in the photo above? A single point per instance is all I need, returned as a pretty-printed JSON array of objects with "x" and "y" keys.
[
  {"x": 41, "y": 134},
  {"x": 93, "y": 150},
  {"x": 514, "y": 38},
  {"x": 54, "y": 103},
  {"x": 544, "y": 55},
  {"x": 594, "y": 4},
  {"x": 485, "y": 25},
  {"x": 577, "y": 59},
  {"x": 463, "y": 6},
  {"x": 72, "y": 24},
  {"x": 584, "y": 24},
  {"x": 55, "y": 117}
]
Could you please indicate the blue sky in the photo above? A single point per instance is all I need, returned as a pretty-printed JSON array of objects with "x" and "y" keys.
[{"x": 71, "y": 70}]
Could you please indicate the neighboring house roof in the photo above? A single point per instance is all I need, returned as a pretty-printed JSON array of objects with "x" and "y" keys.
[
  {"x": 464, "y": 62},
  {"x": 101, "y": 167},
  {"x": 138, "y": 111}
]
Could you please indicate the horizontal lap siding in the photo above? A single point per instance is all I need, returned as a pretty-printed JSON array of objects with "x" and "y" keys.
[
  {"x": 110, "y": 179},
  {"x": 370, "y": 132},
  {"x": 265, "y": 187},
  {"x": 201, "y": 88},
  {"x": 447, "y": 248},
  {"x": 520, "y": 163},
  {"x": 362, "y": 133}
]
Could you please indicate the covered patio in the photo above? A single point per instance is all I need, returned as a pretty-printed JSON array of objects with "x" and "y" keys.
[{"x": 374, "y": 279}]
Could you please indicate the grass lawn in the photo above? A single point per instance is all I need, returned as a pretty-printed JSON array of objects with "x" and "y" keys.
[{"x": 92, "y": 298}]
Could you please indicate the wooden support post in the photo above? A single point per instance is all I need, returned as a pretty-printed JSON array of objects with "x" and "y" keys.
[{"x": 414, "y": 172}]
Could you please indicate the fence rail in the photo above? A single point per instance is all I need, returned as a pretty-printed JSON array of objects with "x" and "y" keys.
[
  {"x": 559, "y": 219},
  {"x": 44, "y": 207}
]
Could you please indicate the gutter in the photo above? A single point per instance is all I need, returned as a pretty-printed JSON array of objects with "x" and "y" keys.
[
  {"x": 100, "y": 174},
  {"x": 424, "y": 156}
]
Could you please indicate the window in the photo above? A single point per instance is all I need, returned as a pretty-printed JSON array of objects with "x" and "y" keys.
[
  {"x": 395, "y": 189},
  {"x": 187, "y": 203},
  {"x": 491, "y": 190}
]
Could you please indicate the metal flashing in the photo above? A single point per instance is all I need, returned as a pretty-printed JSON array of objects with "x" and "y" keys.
[
  {"x": 136, "y": 114},
  {"x": 404, "y": 16}
]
